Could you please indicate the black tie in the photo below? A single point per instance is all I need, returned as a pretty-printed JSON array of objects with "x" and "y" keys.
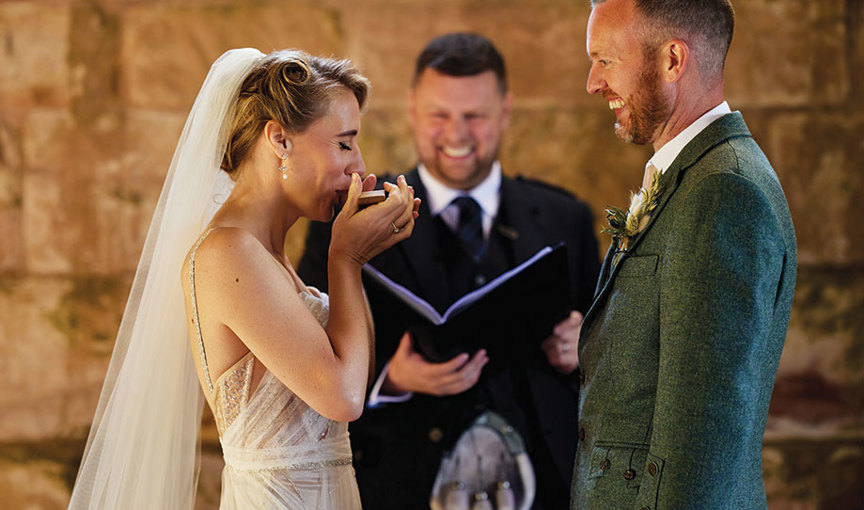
[{"x": 470, "y": 230}]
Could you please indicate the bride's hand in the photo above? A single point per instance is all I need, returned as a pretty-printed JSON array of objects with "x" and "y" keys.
[{"x": 360, "y": 234}]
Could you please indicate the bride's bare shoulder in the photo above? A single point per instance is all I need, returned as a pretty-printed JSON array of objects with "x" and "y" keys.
[
  {"x": 222, "y": 249},
  {"x": 226, "y": 240}
]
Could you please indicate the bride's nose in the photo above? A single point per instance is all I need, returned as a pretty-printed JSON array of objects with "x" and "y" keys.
[{"x": 357, "y": 166}]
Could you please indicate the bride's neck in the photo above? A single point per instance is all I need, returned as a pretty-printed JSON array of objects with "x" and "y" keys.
[{"x": 261, "y": 207}]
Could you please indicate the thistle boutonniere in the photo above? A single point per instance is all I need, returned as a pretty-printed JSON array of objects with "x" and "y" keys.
[{"x": 624, "y": 225}]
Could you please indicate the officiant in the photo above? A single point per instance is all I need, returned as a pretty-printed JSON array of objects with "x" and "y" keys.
[{"x": 475, "y": 223}]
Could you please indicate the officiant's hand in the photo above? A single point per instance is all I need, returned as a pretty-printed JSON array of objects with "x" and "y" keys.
[
  {"x": 561, "y": 347},
  {"x": 409, "y": 371}
]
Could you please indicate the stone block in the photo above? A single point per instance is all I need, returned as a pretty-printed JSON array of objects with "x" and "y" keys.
[
  {"x": 125, "y": 189},
  {"x": 543, "y": 44},
  {"x": 149, "y": 139},
  {"x": 817, "y": 156},
  {"x": 386, "y": 141},
  {"x": 56, "y": 336},
  {"x": 788, "y": 54},
  {"x": 47, "y": 134},
  {"x": 36, "y": 485},
  {"x": 812, "y": 471},
  {"x": 12, "y": 253},
  {"x": 576, "y": 149},
  {"x": 35, "y": 68},
  {"x": 94, "y": 55},
  {"x": 855, "y": 34},
  {"x": 51, "y": 232},
  {"x": 58, "y": 157},
  {"x": 168, "y": 49},
  {"x": 89, "y": 194},
  {"x": 383, "y": 42},
  {"x": 780, "y": 495},
  {"x": 822, "y": 366}
]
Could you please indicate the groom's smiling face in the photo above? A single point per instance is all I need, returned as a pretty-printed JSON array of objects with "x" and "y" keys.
[
  {"x": 458, "y": 123},
  {"x": 625, "y": 72}
]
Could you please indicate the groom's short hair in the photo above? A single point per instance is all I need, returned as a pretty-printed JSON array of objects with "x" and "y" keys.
[
  {"x": 707, "y": 25},
  {"x": 462, "y": 54}
]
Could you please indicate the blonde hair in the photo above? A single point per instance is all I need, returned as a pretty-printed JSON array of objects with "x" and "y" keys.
[{"x": 292, "y": 88}]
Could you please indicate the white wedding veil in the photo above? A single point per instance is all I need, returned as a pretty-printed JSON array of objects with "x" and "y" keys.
[{"x": 142, "y": 451}]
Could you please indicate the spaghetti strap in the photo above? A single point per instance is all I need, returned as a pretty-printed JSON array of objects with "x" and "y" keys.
[{"x": 194, "y": 300}]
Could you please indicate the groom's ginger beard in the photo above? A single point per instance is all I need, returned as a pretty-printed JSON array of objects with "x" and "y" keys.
[{"x": 648, "y": 109}]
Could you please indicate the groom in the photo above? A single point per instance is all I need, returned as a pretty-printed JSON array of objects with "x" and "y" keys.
[{"x": 680, "y": 348}]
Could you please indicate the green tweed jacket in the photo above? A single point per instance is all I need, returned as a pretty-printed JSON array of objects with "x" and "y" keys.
[{"x": 680, "y": 348}]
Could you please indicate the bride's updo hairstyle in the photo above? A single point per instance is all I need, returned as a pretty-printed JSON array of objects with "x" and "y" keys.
[{"x": 292, "y": 88}]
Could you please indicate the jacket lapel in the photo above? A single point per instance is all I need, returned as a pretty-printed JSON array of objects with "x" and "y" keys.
[
  {"x": 421, "y": 253},
  {"x": 523, "y": 226},
  {"x": 727, "y": 127}
]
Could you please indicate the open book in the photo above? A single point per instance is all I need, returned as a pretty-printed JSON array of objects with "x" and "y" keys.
[{"x": 508, "y": 316}]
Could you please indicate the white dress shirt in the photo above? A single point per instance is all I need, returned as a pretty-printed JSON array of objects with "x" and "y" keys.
[
  {"x": 439, "y": 197},
  {"x": 663, "y": 158}
]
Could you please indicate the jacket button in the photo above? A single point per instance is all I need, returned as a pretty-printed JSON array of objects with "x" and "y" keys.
[
  {"x": 435, "y": 434},
  {"x": 582, "y": 434},
  {"x": 629, "y": 474},
  {"x": 652, "y": 469},
  {"x": 605, "y": 464}
]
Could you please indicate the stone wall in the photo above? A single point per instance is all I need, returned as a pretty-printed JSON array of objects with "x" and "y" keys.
[{"x": 93, "y": 96}]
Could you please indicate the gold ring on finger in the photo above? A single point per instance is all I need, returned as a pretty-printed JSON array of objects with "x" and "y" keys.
[{"x": 396, "y": 229}]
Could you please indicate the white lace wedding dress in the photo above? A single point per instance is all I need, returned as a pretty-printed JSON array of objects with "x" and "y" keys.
[{"x": 279, "y": 453}]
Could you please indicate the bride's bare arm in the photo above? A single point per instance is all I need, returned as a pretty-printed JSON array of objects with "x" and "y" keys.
[
  {"x": 357, "y": 237},
  {"x": 242, "y": 287}
]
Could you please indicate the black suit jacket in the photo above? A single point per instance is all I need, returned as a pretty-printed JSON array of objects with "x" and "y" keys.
[{"x": 398, "y": 447}]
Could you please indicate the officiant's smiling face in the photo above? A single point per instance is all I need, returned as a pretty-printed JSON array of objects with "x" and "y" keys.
[{"x": 458, "y": 123}]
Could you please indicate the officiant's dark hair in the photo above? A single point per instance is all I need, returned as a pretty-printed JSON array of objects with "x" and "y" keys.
[{"x": 462, "y": 54}]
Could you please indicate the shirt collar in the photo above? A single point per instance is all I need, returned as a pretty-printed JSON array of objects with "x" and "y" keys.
[
  {"x": 663, "y": 158},
  {"x": 439, "y": 195}
]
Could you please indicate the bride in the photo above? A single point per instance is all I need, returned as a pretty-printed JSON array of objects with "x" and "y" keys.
[{"x": 283, "y": 366}]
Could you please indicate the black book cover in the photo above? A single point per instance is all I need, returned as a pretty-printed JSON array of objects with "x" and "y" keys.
[{"x": 509, "y": 316}]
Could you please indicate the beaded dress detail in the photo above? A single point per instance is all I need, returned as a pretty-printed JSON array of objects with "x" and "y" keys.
[{"x": 279, "y": 453}]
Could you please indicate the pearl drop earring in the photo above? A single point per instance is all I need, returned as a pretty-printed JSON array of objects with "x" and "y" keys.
[{"x": 284, "y": 167}]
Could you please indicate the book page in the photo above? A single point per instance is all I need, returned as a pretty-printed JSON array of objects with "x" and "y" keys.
[
  {"x": 423, "y": 307},
  {"x": 413, "y": 300}
]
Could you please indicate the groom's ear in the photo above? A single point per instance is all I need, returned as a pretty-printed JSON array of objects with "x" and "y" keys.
[{"x": 278, "y": 138}]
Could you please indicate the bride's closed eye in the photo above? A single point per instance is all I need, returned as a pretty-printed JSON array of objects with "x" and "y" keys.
[{"x": 344, "y": 146}]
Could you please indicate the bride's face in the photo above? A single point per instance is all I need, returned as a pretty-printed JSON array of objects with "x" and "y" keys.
[{"x": 324, "y": 157}]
